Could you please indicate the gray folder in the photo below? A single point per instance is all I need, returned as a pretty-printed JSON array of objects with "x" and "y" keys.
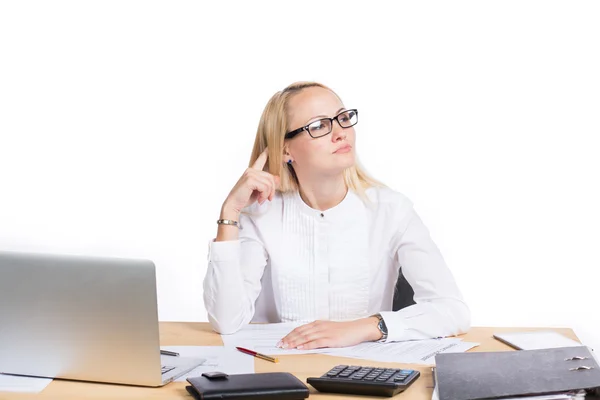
[{"x": 493, "y": 375}]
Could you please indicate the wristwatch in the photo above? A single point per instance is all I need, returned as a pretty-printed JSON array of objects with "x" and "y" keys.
[{"x": 382, "y": 327}]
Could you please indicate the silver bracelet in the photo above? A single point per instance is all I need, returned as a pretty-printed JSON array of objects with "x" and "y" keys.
[{"x": 229, "y": 222}]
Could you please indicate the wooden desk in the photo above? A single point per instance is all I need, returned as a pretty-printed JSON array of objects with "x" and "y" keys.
[{"x": 303, "y": 366}]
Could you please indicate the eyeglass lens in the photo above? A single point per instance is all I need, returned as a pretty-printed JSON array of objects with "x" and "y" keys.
[{"x": 324, "y": 126}]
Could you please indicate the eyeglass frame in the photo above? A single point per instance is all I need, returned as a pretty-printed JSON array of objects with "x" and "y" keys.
[{"x": 295, "y": 132}]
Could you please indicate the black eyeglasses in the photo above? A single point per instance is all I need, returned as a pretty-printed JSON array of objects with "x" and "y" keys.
[{"x": 324, "y": 126}]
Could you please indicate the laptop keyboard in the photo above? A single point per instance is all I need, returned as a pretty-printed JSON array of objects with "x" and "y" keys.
[{"x": 164, "y": 369}]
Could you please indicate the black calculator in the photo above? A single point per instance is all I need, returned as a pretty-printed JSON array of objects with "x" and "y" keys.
[{"x": 352, "y": 379}]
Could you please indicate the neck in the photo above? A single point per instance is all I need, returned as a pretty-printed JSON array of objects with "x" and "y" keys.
[{"x": 323, "y": 193}]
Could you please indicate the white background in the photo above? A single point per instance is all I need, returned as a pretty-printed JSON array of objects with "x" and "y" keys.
[{"x": 123, "y": 125}]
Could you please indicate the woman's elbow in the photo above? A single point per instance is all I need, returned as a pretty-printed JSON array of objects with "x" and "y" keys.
[
  {"x": 225, "y": 320},
  {"x": 224, "y": 327},
  {"x": 461, "y": 317}
]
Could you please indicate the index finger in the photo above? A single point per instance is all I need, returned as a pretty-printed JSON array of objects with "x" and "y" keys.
[
  {"x": 260, "y": 162},
  {"x": 295, "y": 332}
]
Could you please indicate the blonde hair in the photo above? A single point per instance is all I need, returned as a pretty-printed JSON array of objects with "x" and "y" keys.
[{"x": 271, "y": 132}]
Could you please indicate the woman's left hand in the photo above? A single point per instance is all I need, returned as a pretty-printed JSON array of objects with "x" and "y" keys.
[{"x": 331, "y": 334}]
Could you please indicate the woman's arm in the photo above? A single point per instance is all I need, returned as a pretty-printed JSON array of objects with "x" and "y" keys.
[
  {"x": 440, "y": 309},
  {"x": 233, "y": 279},
  {"x": 237, "y": 258}
]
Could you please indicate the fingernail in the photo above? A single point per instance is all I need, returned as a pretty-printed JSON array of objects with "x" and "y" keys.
[
  {"x": 300, "y": 347},
  {"x": 285, "y": 346},
  {"x": 278, "y": 344}
]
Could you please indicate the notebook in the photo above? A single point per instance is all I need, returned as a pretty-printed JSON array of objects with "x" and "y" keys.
[{"x": 535, "y": 340}]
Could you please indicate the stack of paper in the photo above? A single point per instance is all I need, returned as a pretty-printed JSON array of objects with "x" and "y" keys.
[
  {"x": 218, "y": 358},
  {"x": 411, "y": 352},
  {"x": 264, "y": 338},
  {"x": 579, "y": 395}
]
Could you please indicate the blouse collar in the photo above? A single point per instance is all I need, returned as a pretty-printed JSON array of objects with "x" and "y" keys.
[{"x": 341, "y": 212}]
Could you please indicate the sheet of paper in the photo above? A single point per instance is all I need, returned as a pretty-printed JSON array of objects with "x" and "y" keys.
[
  {"x": 22, "y": 384},
  {"x": 218, "y": 358},
  {"x": 537, "y": 340},
  {"x": 263, "y": 338},
  {"x": 559, "y": 396},
  {"x": 580, "y": 395},
  {"x": 411, "y": 352}
]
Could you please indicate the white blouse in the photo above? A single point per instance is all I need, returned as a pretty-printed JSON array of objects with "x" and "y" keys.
[{"x": 295, "y": 263}]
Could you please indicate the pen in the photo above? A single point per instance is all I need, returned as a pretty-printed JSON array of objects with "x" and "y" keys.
[
  {"x": 169, "y": 353},
  {"x": 255, "y": 354}
]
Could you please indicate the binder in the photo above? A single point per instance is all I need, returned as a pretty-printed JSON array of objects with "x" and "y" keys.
[{"x": 494, "y": 375}]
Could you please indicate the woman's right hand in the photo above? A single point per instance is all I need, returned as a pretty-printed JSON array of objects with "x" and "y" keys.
[{"x": 254, "y": 185}]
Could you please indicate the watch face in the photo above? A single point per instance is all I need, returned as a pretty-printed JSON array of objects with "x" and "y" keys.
[{"x": 382, "y": 327}]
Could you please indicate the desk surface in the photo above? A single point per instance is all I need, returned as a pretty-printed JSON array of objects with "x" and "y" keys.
[{"x": 303, "y": 366}]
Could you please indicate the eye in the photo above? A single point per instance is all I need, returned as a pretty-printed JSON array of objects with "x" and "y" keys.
[
  {"x": 317, "y": 126},
  {"x": 347, "y": 116}
]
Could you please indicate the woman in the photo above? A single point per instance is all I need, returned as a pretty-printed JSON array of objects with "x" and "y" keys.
[{"x": 306, "y": 235}]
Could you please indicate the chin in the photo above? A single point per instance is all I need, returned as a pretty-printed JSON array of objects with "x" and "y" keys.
[{"x": 348, "y": 162}]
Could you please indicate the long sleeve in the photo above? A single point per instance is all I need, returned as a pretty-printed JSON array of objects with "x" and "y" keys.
[
  {"x": 439, "y": 310},
  {"x": 233, "y": 279}
]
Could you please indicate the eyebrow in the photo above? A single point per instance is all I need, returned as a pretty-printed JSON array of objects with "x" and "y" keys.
[{"x": 324, "y": 116}]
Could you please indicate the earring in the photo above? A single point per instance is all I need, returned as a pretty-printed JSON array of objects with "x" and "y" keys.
[{"x": 289, "y": 161}]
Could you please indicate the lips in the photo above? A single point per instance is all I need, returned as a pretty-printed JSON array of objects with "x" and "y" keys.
[{"x": 344, "y": 149}]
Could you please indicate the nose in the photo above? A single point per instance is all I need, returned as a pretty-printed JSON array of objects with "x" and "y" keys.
[{"x": 337, "y": 132}]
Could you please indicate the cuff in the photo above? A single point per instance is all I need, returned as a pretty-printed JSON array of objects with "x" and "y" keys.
[{"x": 396, "y": 326}]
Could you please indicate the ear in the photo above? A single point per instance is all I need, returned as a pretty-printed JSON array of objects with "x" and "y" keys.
[{"x": 287, "y": 157}]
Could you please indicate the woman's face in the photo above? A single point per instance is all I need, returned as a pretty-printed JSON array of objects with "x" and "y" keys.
[{"x": 326, "y": 155}]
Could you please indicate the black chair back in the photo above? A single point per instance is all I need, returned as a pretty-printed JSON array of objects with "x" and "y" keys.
[{"x": 403, "y": 294}]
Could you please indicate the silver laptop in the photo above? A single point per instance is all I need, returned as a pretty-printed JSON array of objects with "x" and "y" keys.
[{"x": 83, "y": 318}]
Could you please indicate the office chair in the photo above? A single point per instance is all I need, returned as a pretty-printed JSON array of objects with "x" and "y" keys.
[{"x": 403, "y": 294}]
